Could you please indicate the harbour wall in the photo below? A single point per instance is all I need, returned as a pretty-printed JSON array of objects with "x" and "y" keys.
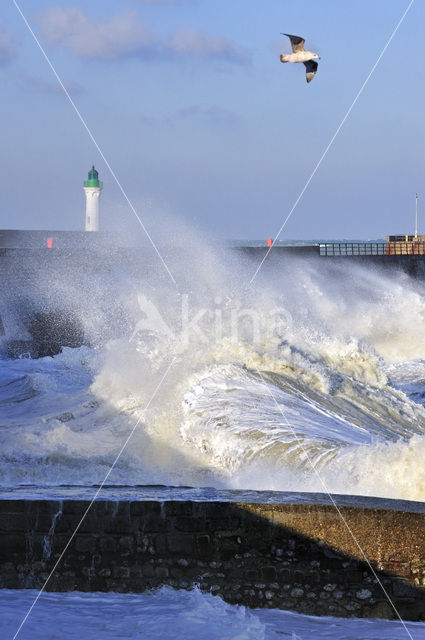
[{"x": 300, "y": 557}]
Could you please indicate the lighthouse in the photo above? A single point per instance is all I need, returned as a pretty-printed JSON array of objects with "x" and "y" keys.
[{"x": 92, "y": 189}]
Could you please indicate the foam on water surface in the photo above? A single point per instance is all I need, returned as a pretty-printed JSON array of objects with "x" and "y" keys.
[
  {"x": 311, "y": 381},
  {"x": 183, "y": 615}
]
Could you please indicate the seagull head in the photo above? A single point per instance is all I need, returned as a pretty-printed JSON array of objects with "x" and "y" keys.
[{"x": 316, "y": 56}]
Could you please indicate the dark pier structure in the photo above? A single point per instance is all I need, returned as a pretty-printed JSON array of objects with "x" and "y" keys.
[{"x": 294, "y": 552}]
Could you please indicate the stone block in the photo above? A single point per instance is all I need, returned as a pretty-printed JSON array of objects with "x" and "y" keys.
[
  {"x": 12, "y": 506},
  {"x": 108, "y": 544},
  {"x": 121, "y": 572},
  {"x": 177, "y": 508},
  {"x": 12, "y": 544},
  {"x": 181, "y": 544},
  {"x": 182, "y": 562},
  {"x": 217, "y": 510},
  {"x": 353, "y": 577},
  {"x": 403, "y": 589},
  {"x": 85, "y": 544},
  {"x": 268, "y": 573},
  {"x": 66, "y": 524},
  {"x": 161, "y": 544},
  {"x": 144, "y": 508},
  {"x": 311, "y": 577},
  {"x": 93, "y": 524},
  {"x": 252, "y": 575},
  {"x": 152, "y": 523},
  {"x": 74, "y": 507},
  {"x": 381, "y": 609},
  {"x": 126, "y": 543},
  {"x": 226, "y": 526},
  {"x": 189, "y": 524},
  {"x": 45, "y": 523},
  {"x": 118, "y": 524},
  {"x": 285, "y": 575},
  {"x": 12, "y": 522},
  {"x": 162, "y": 572},
  {"x": 63, "y": 584},
  {"x": 407, "y": 610},
  {"x": 148, "y": 570},
  {"x": 176, "y": 572},
  {"x": 204, "y": 546},
  {"x": 42, "y": 507},
  {"x": 352, "y": 606}
]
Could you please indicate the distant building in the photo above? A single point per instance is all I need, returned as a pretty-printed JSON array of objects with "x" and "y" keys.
[{"x": 405, "y": 245}]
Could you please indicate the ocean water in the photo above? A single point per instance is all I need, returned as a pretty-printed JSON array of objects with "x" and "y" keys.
[
  {"x": 183, "y": 615},
  {"x": 312, "y": 379}
]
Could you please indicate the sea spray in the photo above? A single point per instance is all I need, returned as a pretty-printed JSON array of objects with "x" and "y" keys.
[{"x": 309, "y": 370}]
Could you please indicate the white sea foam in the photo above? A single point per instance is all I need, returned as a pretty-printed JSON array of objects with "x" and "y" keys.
[
  {"x": 326, "y": 369},
  {"x": 190, "y": 614}
]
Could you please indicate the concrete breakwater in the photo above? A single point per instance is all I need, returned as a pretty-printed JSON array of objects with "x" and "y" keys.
[{"x": 301, "y": 557}]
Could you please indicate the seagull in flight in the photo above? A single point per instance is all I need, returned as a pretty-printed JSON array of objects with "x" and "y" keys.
[{"x": 299, "y": 54}]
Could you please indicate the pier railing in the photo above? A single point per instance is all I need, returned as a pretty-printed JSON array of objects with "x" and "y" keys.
[{"x": 372, "y": 248}]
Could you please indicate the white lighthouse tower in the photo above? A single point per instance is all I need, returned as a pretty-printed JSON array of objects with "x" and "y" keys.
[{"x": 92, "y": 189}]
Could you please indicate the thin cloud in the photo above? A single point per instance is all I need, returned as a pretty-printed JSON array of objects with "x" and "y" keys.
[
  {"x": 159, "y": 2},
  {"x": 194, "y": 43},
  {"x": 148, "y": 121},
  {"x": 209, "y": 115},
  {"x": 39, "y": 85},
  {"x": 124, "y": 37},
  {"x": 7, "y": 47},
  {"x": 120, "y": 37}
]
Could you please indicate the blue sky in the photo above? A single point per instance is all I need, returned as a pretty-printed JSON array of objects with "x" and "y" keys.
[{"x": 202, "y": 123}]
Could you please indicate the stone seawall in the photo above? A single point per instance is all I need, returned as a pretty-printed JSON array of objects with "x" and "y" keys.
[{"x": 300, "y": 557}]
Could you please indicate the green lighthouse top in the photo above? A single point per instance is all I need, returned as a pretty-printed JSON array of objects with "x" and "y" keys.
[{"x": 93, "y": 178}]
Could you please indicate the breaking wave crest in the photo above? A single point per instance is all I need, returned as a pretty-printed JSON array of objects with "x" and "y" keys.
[{"x": 313, "y": 380}]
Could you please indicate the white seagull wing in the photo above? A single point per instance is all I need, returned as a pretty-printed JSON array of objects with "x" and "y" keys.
[{"x": 311, "y": 68}]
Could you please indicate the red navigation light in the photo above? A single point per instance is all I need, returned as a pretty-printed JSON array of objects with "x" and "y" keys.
[{"x": 49, "y": 243}]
